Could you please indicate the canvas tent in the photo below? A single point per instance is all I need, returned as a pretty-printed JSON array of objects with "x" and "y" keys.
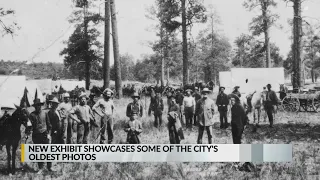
[
  {"x": 225, "y": 81},
  {"x": 252, "y": 79},
  {"x": 32, "y": 88},
  {"x": 43, "y": 84},
  {"x": 71, "y": 85},
  {"x": 11, "y": 90}
]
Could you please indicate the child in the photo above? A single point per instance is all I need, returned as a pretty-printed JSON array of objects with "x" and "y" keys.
[{"x": 133, "y": 127}]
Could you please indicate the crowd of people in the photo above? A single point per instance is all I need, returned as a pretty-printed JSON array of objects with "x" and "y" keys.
[{"x": 188, "y": 109}]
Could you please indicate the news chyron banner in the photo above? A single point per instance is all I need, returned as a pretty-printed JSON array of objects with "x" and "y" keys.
[{"x": 156, "y": 153}]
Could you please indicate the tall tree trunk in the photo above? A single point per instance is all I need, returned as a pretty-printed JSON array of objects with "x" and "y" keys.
[
  {"x": 266, "y": 33},
  {"x": 162, "y": 56},
  {"x": 184, "y": 44},
  {"x": 117, "y": 64},
  {"x": 297, "y": 44},
  {"x": 86, "y": 50},
  {"x": 106, "y": 62},
  {"x": 168, "y": 76}
]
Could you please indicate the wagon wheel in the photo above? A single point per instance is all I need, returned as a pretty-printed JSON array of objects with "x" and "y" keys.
[
  {"x": 316, "y": 104},
  {"x": 290, "y": 104}
]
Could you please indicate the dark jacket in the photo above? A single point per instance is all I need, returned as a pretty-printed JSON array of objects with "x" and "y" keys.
[
  {"x": 222, "y": 102},
  {"x": 196, "y": 96},
  {"x": 236, "y": 92},
  {"x": 238, "y": 116},
  {"x": 57, "y": 123},
  {"x": 271, "y": 98},
  {"x": 40, "y": 124},
  {"x": 179, "y": 98},
  {"x": 134, "y": 108},
  {"x": 156, "y": 106}
]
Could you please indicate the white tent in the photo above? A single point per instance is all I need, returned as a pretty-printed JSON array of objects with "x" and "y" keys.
[
  {"x": 11, "y": 90},
  {"x": 32, "y": 87},
  {"x": 251, "y": 79},
  {"x": 71, "y": 85},
  {"x": 225, "y": 81},
  {"x": 44, "y": 85}
]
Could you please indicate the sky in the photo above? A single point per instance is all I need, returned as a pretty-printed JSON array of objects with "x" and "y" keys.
[{"x": 44, "y": 26}]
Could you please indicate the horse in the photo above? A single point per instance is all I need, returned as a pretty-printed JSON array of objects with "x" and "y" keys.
[
  {"x": 11, "y": 133},
  {"x": 255, "y": 102}
]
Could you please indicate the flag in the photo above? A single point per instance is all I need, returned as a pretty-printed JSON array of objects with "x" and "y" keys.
[{"x": 24, "y": 99}]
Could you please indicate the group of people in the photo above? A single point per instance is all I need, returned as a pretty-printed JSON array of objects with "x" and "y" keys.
[{"x": 57, "y": 124}]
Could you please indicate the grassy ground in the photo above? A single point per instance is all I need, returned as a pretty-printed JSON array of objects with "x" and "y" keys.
[{"x": 300, "y": 129}]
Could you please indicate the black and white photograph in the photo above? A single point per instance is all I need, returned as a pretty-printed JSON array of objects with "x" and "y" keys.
[{"x": 129, "y": 72}]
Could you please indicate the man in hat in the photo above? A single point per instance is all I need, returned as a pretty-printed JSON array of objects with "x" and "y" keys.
[
  {"x": 134, "y": 107},
  {"x": 205, "y": 112},
  {"x": 91, "y": 101},
  {"x": 64, "y": 108},
  {"x": 236, "y": 91},
  {"x": 82, "y": 114},
  {"x": 238, "y": 120},
  {"x": 133, "y": 128},
  {"x": 57, "y": 123},
  {"x": 41, "y": 129},
  {"x": 197, "y": 97},
  {"x": 174, "y": 124},
  {"x": 222, "y": 103},
  {"x": 269, "y": 103},
  {"x": 189, "y": 105},
  {"x": 157, "y": 107},
  {"x": 106, "y": 105}
]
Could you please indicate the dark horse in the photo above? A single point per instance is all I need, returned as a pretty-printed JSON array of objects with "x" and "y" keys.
[{"x": 10, "y": 133}]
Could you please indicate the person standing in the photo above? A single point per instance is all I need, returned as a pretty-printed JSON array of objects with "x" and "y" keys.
[
  {"x": 57, "y": 123},
  {"x": 133, "y": 128},
  {"x": 174, "y": 124},
  {"x": 134, "y": 107},
  {"x": 270, "y": 102},
  {"x": 205, "y": 112},
  {"x": 82, "y": 114},
  {"x": 64, "y": 108},
  {"x": 107, "y": 107},
  {"x": 41, "y": 129},
  {"x": 157, "y": 107},
  {"x": 236, "y": 91},
  {"x": 189, "y": 105},
  {"x": 238, "y": 120},
  {"x": 197, "y": 97},
  {"x": 222, "y": 103}
]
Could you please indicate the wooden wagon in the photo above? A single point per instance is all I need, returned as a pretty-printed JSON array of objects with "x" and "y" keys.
[{"x": 308, "y": 101}]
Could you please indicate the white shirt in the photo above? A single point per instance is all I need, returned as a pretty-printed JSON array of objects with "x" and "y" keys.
[{"x": 189, "y": 101}]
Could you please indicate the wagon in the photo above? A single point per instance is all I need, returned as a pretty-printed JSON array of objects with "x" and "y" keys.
[{"x": 294, "y": 102}]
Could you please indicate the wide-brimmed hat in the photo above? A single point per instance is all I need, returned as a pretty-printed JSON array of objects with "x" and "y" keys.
[
  {"x": 107, "y": 90},
  {"x": 221, "y": 87},
  {"x": 66, "y": 95},
  {"x": 196, "y": 88},
  {"x": 83, "y": 94},
  {"x": 205, "y": 90},
  {"x": 37, "y": 102},
  {"x": 236, "y": 87},
  {"x": 234, "y": 96},
  {"x": 55, "y": 100},
  {"x": 135, "y": 94},
  {"x": 188, "y": 90}
]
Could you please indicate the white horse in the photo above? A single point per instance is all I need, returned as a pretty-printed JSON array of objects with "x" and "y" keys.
[{"x": 254, "y": 101}]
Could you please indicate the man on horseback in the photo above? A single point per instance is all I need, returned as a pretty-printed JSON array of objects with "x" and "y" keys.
[
  {"x": 107, "y": 107},
  {"x": 41, "y": 129},
  {"x": 269, "y": 103},
  {"x": 64, "y": 108}
]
